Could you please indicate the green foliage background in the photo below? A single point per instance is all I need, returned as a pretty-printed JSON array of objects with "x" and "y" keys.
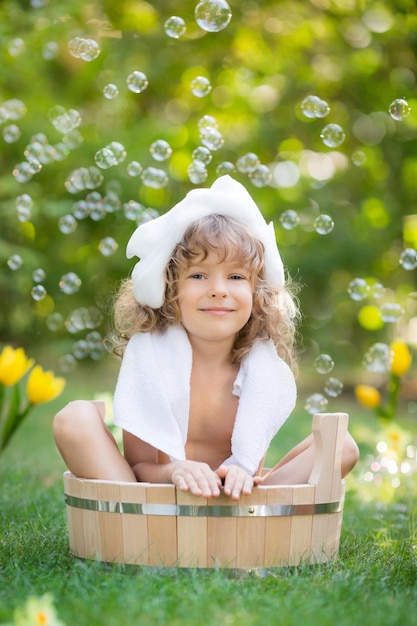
[{"x": 357, "y": 55}]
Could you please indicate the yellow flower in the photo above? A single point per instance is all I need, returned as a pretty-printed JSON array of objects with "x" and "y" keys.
[
  {"x": 368, "y": 396},
  {"x": 401, "y": 358},
  {"x": 38, "y": 612},
  {"x": 43, "y": 386},
  {"x": 13, "y": 365}
]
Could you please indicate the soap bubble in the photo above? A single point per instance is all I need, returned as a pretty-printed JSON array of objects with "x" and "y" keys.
[
  {"x": 376, "y": 290},
  {"x": 202, "y": 155},
  {"x": 50, "y": 50},
  {"x": 85, "y": 49},
  {"x": 160, "y": 150},
  {"x": 358, "y": 289},
  {"x": 80, "y": 349},
  {"x": 333, "y": 387},
  {"x": 84, "y": 178},
  {"x": 200, "y": 86},
  {"x": 38, "y": 292},
  {"x": 67, "y": 224},
  {"x": 105, "y": 158},
  {"x": 11, "y": 133},
  {"x": 197, "y": 172},
  {"x": 260, "y": 176},
  {"x": 313, "y": 106},
  {"x": 137, "y": 82},
  {"x": 64, "y": 121},
  {"x": 108, "y": 246},
  {"x": 15, "y": 262},
  {"x": 118, "y": 150},
  {"x": 323, "y": 224},
  {"x": 81, "y": 209},
  {"x": 359, "y": 158},
  {"x": 323, "y": 364},
  {"x": 70, "y": 283},
  {"x": 16, "y": 46},
  {"x": 134, "y": 168},
  {"x": 22, "y": 172},
  {"x": 132, "y": 210},
  {"x": 378, "y": 358},
  {"x": 54, "y": 321},
  {"x": 399, "y": 109},
  {"x": 154, "y": 177},
  {"x": 332, "y": 135},
  {"x": 247, "y": 162},
  {"x": 67, "y": 363},
  {"x": 213, "y": 15},
  {"x": 226, "y": 167},
  {"x": 12, "y": 110},
  {"x": 408, "y": 259},
  {"x": 38, "y": 275},
  {"x": 207, "y": 121},
  {"x": 24, "y": 201},
  {"x": 175, "y": 27},
  {"x": 83, "y": 318},
  {"x": 211, "y": 138},
  {"x": 391, "y": 312},
  {"x": 289, "y": 219},
  {"x": 316, "y": 403},
  {"x": 110, "y": 91}
]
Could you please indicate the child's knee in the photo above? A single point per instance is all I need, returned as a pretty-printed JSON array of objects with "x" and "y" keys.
[
  {"x": 350, "y": 454},
  {"x": 74, "y": 419}
]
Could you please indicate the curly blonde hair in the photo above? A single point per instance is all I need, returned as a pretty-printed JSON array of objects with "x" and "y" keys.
[{"x": 274, "y": 311}]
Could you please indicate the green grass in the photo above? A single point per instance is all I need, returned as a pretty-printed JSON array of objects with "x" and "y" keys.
[{"x": 374, "y": 580}]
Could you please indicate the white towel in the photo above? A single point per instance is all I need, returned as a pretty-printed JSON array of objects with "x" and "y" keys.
[{"x": 152, "y": 396}]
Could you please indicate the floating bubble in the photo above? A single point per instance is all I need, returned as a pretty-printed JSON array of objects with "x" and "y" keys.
[
  {"x": 80, "y": 349},
  {"x": 211, "y": 138},
  {"x": 15, "y": 262},
  {"x": 11, "y": 133},
  {"x": 70, "y": 283},
  {"x": 38, "y": 275},
  {"x": 313, "y": 106},
  {"x": 108, "y": 246},
  {"x": 133, "y": 210},
  {"x": 376, "y": 290},
  {"x": 118, "y": 150},
  {"x": 16, "y": 46},
  {"x": 197, "y": 172},
  {"x": 22, "y": 172},
  {"x": 213, "y": 15},
  {"x": 154, "y": 177},
  {"x": 84, "y": 178},
  {"x": 13, "y": 109},
  {"x": 202, "y": 155},
  {"x": 391, "y": 312},
  {"x": 67, "y": 224},
  {"x": 34, "y": 166},
  {"x": 55, "y": 322},
  {"x": 333, "y": 387},
  {"x": 359, "y": 158},
  {"x": 226, "y": 167},
  {"x": 137, "y": 82},
  {"x": 24, "y": 214},
  {"x": 260, "y": 176},
  {"x": 289, "y": 219},
  {"x": 24, "y": 202},
  {"x": 38, "y": 292},
  {"x": 399, "y": 109},
  {"x": 134, "y": 168},
  {"x": 96, "y": 348},
  {"x": 83, "y": 318},
  {"x": 323, "y": 364},
  {"x": 316, "y": 403},
  {"x": 323, "y": 224},
  {"x": 73, "y": 139},
  {"x": 50, "y": 50},
  {"x": 207, "y": 121},
  {"x": 247, "y": 162},
  {"x": 200, "y": 86},
  {"x": 105, "y": 158},
  {"x": 64, "y": 121},
  {"x": 160, "y": 150},
  {"x": 85, "y": 49},
  {"x": 110, "y": 91},
  {"x": 332, "y": 135},
  {"x": 358, "y": 289},
  {"x": 408, "y": 259},
  {"x": 67, "y": 363},
  {"x": 175, "y": 27},
  {"x": 378, "y": 358},
  {"x": 81, "y": 209}
]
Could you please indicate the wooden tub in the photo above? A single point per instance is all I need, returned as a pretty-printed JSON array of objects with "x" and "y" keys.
[{"x": 158, "y": 525}]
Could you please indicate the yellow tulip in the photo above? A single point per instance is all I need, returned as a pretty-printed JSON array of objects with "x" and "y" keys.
[
  {"x": 43, "y": 386},
  {"x": 368, "y": 396},
  {"x": 401, "y": 358},
  {"x": 13, "y": 365}
]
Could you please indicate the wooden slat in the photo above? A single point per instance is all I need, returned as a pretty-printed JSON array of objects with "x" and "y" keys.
[
  {"x": 91, "y": 523},
  {"x": 251, "y": 533},
  {"x": 134, "y": 527},
  {"x": 301, "y": 525},
  {"x": 111, "y": 542},
  {"x": 162, "y": 530},
  {"x": 75, "y": 517},
  {"x": 329, "y": 430},
  {"x": 278, "y": 529},
  {"x": 191, "y": 533},
  {"x": 221, "y": 537}
]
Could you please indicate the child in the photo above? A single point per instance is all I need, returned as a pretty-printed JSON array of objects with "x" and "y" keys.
[{"x": 205, "y": 328}]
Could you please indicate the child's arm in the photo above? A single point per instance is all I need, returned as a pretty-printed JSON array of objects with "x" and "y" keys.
[{"x": 193, "y": 476}]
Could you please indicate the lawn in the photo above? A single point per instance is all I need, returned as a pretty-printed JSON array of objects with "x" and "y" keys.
[{"x": 373, "y": 581}]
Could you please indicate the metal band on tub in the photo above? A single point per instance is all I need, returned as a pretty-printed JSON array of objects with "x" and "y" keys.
[{"x": 186, "y": 510}]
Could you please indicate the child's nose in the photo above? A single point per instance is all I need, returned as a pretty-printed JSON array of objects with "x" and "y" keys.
[{"x": 218, "y": 287}]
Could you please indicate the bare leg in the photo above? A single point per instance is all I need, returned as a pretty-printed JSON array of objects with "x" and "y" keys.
[
  {"x": 296, "y": 466},
  {"x": 86, "y": 444}
]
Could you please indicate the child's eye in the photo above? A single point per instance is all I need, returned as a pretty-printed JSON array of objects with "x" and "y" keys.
[
  {"x": 237, "y": 277},
  {"x": 197, "y": 276}
]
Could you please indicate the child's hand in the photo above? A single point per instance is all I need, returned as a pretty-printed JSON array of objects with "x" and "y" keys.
[
  {"x": 196, "y": 477},
  {"x": 236, "y": 481}
]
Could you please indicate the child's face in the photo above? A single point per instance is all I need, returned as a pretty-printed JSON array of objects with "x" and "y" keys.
[{"x": 215, "y": 298}]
